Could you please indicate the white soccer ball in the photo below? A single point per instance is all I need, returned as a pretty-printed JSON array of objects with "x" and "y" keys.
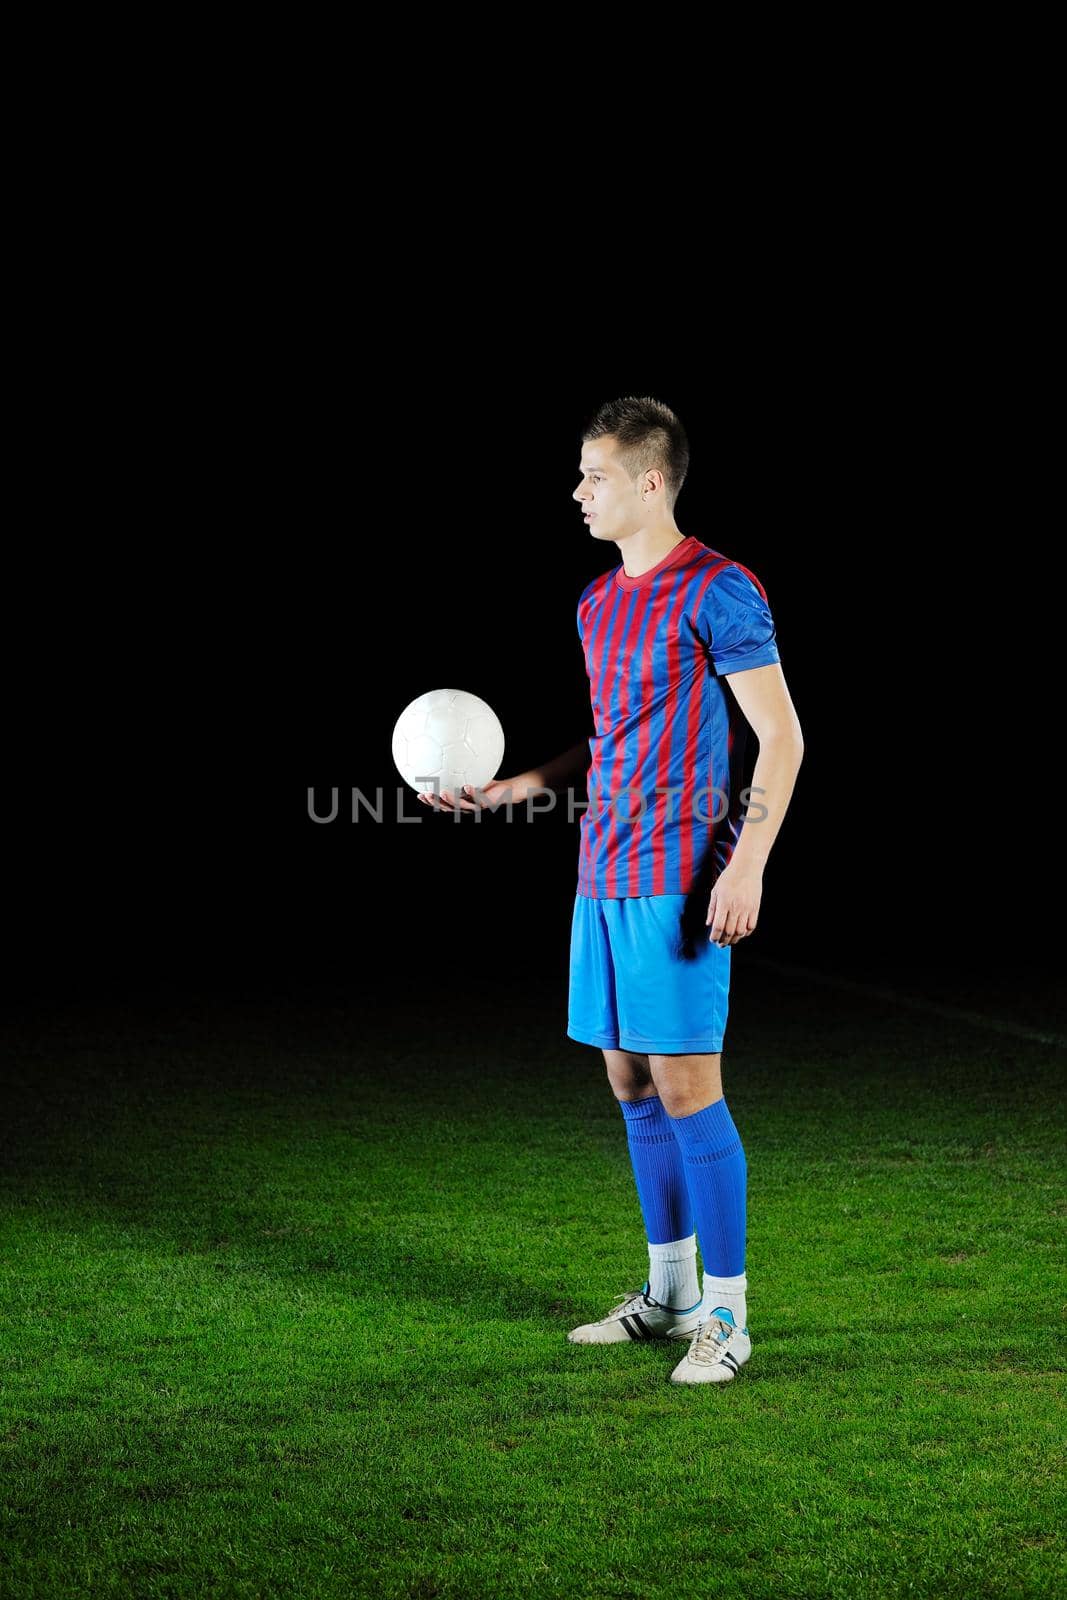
[{"x": 449, "y": 735}]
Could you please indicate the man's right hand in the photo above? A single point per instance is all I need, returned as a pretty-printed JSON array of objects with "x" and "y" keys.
[{"x": 489, "y": 795}]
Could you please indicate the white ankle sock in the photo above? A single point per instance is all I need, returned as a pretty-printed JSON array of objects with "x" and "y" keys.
[
  {"x": 672, "y": 1273},
  {"x": 728, "y": 1292}
]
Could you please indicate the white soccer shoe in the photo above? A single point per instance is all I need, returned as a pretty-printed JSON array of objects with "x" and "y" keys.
[
  {"x": 638, "y": 1316},
  {"x": 718, "y": 1352}
]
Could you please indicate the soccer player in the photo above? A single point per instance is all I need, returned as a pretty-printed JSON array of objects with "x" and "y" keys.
[{"x": 682, "y": 661}]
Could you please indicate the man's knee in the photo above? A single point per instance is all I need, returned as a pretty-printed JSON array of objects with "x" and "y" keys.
[
  {"x": 687, "y": 1084},
  {"x": 629, "y": 1074}
]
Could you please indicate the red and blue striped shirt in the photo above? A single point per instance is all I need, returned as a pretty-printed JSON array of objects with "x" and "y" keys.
[{"x": 658, "y": 648}]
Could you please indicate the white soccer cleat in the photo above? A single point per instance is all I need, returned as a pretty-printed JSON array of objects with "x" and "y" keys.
[
  {"x": 718, "y": 1352},
  {"x": 638, "y": 1316}
]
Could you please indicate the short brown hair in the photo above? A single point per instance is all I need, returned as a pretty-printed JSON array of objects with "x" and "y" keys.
[{"x": 648, "y": 434}]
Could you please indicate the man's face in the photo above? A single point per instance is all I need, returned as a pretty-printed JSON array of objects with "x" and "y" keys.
[{"x": 610, "y": 501}]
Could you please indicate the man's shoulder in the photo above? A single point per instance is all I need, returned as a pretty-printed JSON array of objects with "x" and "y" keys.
[
  {"x": 705, "y": 556},
  {"x": 597, "y": 584},
  {"x": 725, "y": 574}
]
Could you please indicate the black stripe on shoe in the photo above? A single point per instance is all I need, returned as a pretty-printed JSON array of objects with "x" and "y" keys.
[
  {"x": 728, "y": 1361},
  {"x": 634, "y": 1327}
]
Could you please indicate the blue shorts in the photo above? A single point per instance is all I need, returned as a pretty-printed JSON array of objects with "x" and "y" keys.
[{"x": 644, "y": 978}]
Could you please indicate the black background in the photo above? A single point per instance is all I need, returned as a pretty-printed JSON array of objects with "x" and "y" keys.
[{"x": 307, "y": 548}]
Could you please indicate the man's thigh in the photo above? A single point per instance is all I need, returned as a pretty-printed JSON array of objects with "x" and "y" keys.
[
  {"x": 591, "y": 1015},
  {"x": 671, "y": 993},
  {"x": 630, "y": 1075}
]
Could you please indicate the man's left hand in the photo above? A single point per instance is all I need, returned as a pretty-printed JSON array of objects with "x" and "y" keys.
[{"x": 734, "y": 904}]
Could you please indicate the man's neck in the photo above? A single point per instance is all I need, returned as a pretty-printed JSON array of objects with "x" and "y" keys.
[{"x": 647, "y": 547}]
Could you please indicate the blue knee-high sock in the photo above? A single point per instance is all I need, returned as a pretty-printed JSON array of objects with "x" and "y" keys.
[
  {"x": 717, "y": 1174},
  {"x": 657, "y": 1163}
]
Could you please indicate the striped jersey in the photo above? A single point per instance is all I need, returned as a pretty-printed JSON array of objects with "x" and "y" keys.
[{"x": 665, "y": 809}]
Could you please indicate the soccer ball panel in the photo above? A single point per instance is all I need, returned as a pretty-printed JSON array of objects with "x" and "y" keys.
[
  {"x": 446, "y": 723},
  {"x": 450, "y": 735}
]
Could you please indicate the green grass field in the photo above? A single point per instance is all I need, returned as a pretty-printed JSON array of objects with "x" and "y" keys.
[{"x": 286, "y": 1288}]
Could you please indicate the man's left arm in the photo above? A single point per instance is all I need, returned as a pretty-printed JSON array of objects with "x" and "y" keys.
[{"x": 763, "y": 697}]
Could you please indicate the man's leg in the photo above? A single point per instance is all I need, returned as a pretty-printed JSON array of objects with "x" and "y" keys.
[
  {"x": 662, "y": 1188},
  {"x": 690, "y": 1088}
]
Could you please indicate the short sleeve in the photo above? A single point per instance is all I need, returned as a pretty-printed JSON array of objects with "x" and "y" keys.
[{"x": 735, "y": 623}]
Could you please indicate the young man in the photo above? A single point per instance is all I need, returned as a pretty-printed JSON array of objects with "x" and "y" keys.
[{"x": 681, "y": 657}]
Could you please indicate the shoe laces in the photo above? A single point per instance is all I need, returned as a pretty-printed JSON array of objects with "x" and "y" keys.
[
  {"x": 710, "y": 1340},
  {"x": 624, "y": 1305}
]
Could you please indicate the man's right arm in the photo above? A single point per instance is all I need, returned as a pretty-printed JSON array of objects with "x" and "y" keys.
[
  {"x": 562, "y": 769},
  {"x": 554, "y": 775}
]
